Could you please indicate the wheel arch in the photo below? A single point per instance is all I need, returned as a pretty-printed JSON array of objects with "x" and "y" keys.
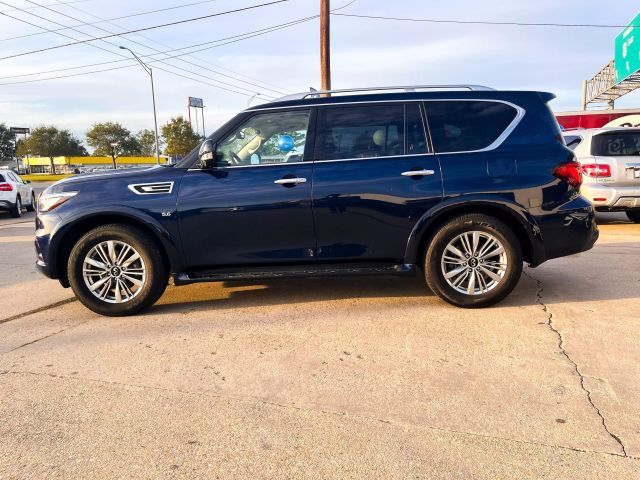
[
  {"x": 514, "y": 216},
  {"x": 66, "y": 238}
]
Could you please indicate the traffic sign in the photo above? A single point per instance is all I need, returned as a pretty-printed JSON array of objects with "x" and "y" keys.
[
  {"x": 627, "y": 51},
  {"x": 196, "y": 102}
]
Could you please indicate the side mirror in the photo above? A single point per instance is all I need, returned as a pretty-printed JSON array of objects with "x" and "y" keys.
[{"x": 207, "y": 157}]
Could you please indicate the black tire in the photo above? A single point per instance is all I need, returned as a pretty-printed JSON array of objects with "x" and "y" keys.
[
  {"x": 634, "y": 215},
  {"x": 489, "y": 227},
  {"x": 157, "y": 273},
  {"x": 16, "y": 210},
  {"x": 32, "y": 205}
]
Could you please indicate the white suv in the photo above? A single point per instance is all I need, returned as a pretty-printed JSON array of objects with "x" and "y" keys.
[
  {"x": 610, "y": 159},
  {"x": 15, "y": 194}
]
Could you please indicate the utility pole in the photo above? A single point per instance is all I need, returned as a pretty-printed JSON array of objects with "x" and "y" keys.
[{"x": 325, "y": 45}]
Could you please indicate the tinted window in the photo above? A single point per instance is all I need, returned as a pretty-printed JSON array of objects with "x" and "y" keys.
[
  {"x": 361, "y": 132},
  {"x": 2, "y": 179},
  {"x": 416, "y": 140},
  {"x": 467, "y": 125},
  {"x": 267, "y": 138},
  {"x": 572, "y": 141},
  {"x": 616, "y": 144}
]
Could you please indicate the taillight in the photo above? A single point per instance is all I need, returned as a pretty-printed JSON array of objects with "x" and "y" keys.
[
  {"x": 571, "y": 172},
  {"x": 6, "y": 187},
  {"x": 596, "y": 170}
]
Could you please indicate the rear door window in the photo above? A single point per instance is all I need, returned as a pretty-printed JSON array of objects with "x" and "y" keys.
[
  {"x": 362, "y": 131},
  {"x": 463, "y": 126},
  {"x": 616, "y": 144}
]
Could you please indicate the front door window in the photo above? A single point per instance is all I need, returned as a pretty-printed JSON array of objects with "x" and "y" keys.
[{"x": 267, "y": 138}]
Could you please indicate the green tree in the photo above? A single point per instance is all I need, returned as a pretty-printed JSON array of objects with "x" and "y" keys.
[
  {"x": 179, "y": 137},
  {"x": 49, "y": 141},
  {"x": 147, "y": 141},
  {"x": 101, "y": 136},
  {"x": 6, "y": 142}
]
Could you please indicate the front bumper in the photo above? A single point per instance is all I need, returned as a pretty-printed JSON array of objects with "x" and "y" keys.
[
  {"x": 612, "y": 198},
  {"x": 45, "y": 225}
]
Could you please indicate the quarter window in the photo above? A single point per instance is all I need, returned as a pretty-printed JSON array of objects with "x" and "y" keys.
[
  {"x": 462, "y": 126},
  {"x": 572, "y": 141},
  {"x": 267, "y": 138},
  {"x": 361, "y": 132}
]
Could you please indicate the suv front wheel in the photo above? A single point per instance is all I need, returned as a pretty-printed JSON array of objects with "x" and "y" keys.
[
  {"x": 117, "y": 270},
  {"x": 473, "y": 260}
]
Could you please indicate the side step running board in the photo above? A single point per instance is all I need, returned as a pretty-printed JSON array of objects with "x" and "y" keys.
[{"x": 292, "y": 272}]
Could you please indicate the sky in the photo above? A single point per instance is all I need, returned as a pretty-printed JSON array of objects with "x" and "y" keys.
[{"x": 365, "y": 52}]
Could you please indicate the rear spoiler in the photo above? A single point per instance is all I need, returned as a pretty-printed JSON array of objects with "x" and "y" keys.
[{"x": 546, "y": 96}]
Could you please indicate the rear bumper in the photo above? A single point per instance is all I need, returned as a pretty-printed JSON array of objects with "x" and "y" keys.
[
  {"x": 569, "y": 230},
  {"x": 6, "y": 205},
  {"x": 614, "y": 198}
]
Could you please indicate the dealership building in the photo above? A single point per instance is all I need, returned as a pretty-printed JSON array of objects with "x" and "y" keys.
[{"x": 85, "y": 164}]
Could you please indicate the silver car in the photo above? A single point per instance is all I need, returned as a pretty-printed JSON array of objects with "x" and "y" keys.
[{"x": 610, "y": 159}]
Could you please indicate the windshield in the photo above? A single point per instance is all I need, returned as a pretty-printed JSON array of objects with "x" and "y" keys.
[{"x": 616, "y": 144}]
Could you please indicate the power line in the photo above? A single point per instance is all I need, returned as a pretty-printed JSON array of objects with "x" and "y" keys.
[
  {"x": 145, "y": 28},
  {"x": 126, "y": 57},
  {"x": 232, "y": 39},
  {"x": 226, "y": 40},
  {"x": 33, "y": 8},
  {"x": 485, "y": 22},
  {"x": 251, "y": 81},
  {"x": 134, "y": 41},
  {"x": 148, "y": 12}
]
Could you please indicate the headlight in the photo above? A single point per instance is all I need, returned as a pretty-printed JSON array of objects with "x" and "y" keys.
[{"x": 49, "y": 201}]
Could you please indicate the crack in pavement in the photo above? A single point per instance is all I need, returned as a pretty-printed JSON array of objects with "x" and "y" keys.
[
  {"x": 247, "y": 398},
  {"x": 581, "y": 376},
  {"x": 45, "y": 337},
  {"x": 38, "y": 310}
]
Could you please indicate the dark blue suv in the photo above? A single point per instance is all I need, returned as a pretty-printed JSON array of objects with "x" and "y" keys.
[{"x": 462, "y": 184}]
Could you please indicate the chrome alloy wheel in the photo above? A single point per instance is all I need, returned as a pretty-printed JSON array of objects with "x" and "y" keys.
[
  {"x": 474, "y": 263},
  {"x": 114, "y": 271}
]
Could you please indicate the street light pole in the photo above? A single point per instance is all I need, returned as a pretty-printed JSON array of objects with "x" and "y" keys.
[{"x": 148, "y": 69}]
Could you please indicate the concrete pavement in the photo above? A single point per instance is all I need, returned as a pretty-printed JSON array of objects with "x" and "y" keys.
[{"x": 330, "y": 378}]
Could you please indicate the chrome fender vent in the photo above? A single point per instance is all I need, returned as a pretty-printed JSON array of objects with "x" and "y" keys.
[{"x": 151, "y": 188}]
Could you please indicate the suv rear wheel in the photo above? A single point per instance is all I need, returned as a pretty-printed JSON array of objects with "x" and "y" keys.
[
  {"x": 473, "y": 260},
  {"x": 117, "y": 270},
  {"x": 634, "y": 215}
]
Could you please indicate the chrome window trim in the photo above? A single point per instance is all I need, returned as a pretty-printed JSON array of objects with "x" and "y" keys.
[
  {"x": 133, "y": 186},
  {"x": 310, "y": 162},
  {"x": 520, "y": 113}
]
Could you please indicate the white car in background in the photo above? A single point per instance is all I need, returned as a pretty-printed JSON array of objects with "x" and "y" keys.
[
  {"x": 610, "y": 159},
  {"x": 15, "y": 194}
]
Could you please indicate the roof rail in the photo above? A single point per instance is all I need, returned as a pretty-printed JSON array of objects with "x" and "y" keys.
[{"x": 406, "y": 88}]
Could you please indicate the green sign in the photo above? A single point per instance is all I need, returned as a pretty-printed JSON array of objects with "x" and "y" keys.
[{"x": 627, "y": 55}]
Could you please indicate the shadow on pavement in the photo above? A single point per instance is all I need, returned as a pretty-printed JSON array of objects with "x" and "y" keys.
[{"x": 567, "y": 280}]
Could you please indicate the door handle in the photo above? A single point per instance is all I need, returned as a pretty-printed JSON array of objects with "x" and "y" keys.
[
  {"x": 418, "y": 173},
  {"x": 290, "y": 181}
]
